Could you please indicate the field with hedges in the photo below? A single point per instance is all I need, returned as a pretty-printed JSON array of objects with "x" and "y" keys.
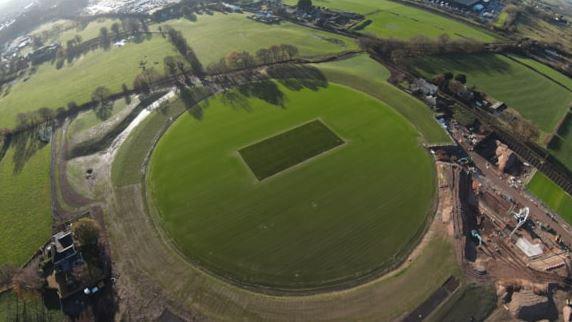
[
  {"x": 53, "y": 88},
  {"x": 395, "y": 20},
  {"x": 533, "y": 93},
  {"x": 212, "y": 37},
  {"x": 25, "y": 204}
]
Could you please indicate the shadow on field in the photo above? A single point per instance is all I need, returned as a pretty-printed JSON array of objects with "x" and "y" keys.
[
  {"x": 489, "y": 64},
  {"x": 104, "y": 111},
  {"x": 294, "y": 77},
  {"x": 235, "y": 100},
  {"x": 194, "y": 101},
  {"x": 265, "y": 90},
  {"x": 298, "y": 77},
  {"x": 25, "y": 146}
]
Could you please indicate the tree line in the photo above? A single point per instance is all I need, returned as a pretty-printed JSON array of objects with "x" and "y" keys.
[
  {"x": 398, "y": 51},
  {"x": 102, "y": 97},
  {"x": 242, "y": 59},
  {"x": 180, "y": 42},
  {"x": 76, "y": 47}
]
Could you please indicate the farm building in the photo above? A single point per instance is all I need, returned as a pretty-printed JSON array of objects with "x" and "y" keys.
[
  {"x": 498, "y": 107},
  {"x": 467, "y": 4},
  {"x": 63, "y": 251}
]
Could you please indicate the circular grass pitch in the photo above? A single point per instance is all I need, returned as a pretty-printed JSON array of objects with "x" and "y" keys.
[{"x": 336, "y": 216}]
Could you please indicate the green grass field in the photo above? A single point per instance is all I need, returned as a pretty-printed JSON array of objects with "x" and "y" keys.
[
  {"x": 322, "y": 223},
  {"x": 63, "y": 30},
  {"x": 366, "y": 75},
  {"x": 552, "y": 195},
  {"x": 209, "y": 37},
  {"x": 53, "y": 88},
  {"x": 394, "y": 20},
  {"x": 88, "y": 120},
  {"x": 25, "y": 210},
  {"x": 287, "y": 149},
  {"x": 88, "y": 32},
  {"x": 536, "y": 97},
  {"x": 212, "y": 37}
]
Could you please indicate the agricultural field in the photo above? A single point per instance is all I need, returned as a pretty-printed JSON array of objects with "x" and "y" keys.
[
  {"x": 394, "y": 20},
  {"x": 552, "y": 195},
  {"x": 366, "y": 75},
  {"x": 53, "y": 88},
  {"x": 533, "y": 93},
  {"x": 314, "y": 206},
  {"x": 25, "y": 204},
  {"x": 209, "y": 36}
]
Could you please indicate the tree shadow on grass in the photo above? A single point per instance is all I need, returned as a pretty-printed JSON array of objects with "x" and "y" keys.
[
  {"x": 104, "y": 111},
  {"x": 25, "y": 145},
  {"x": 193, "y": 101},
  {"x": 236, "y": 100},
  {"x": 6, "y": 142},
  {"x": 265, "y": 90},
  {"x": 488, "y": 64},
  {"x": 298, "y": 77}
]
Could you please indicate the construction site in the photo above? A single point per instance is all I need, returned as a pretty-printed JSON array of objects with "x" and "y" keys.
[{"x": 503, "y": 237}]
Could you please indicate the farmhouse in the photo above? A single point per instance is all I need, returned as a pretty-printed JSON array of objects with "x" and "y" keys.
[
  {"x": 498, "y": 107},
  {"x": 422, "y": 87},
  {"x": 64, "y": 254},
  {"x": 465, "y": 4}
]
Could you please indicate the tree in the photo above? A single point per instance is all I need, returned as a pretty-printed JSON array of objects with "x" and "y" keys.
[
  {"x": 144, "y": 81},
  {"x": 276, "y": 52},
  {"x": 7, "y": 272},
  {"x": 116, "y": 29},
  {"x": 304, "y": 5},
  {"x": 104, "y": 39},
  {"x": 177, "y": 39},
  {"x": 126, "y": 95},
  {"x": 86, "y": 231},
  {"x": 72, "y": 106},
  {"x": 170, "y": 64},
  {"x": 46, "y": 114},
  {"x": 100, "y": 95},
  {"x": 188, "y": 13},
  {"x": 264, "y": 56},
  {"x": 524, "y": 129},
  {"x": 218, "y": 67},
  {"x": 27, "y": 281},
  {"x": 239, "y": 60},
  {"x": 461, "y": 78},
  {"x": 289, "y": 51}
]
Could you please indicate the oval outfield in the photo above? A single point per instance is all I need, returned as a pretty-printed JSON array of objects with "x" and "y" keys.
[{"x": 335, "y": 217}]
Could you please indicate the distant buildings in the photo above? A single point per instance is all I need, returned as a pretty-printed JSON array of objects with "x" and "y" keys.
[{"x": 125, "y": 6}]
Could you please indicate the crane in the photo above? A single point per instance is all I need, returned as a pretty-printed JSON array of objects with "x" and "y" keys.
[{"x": 521, "y": 217}]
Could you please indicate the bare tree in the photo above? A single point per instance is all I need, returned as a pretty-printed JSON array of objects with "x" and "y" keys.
[
  {"x": 27, "y": 281},
  {"x": 86, "y": 231},
  {"x": 100, "y": 95},
  {"x": 104, "y": 39}
]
